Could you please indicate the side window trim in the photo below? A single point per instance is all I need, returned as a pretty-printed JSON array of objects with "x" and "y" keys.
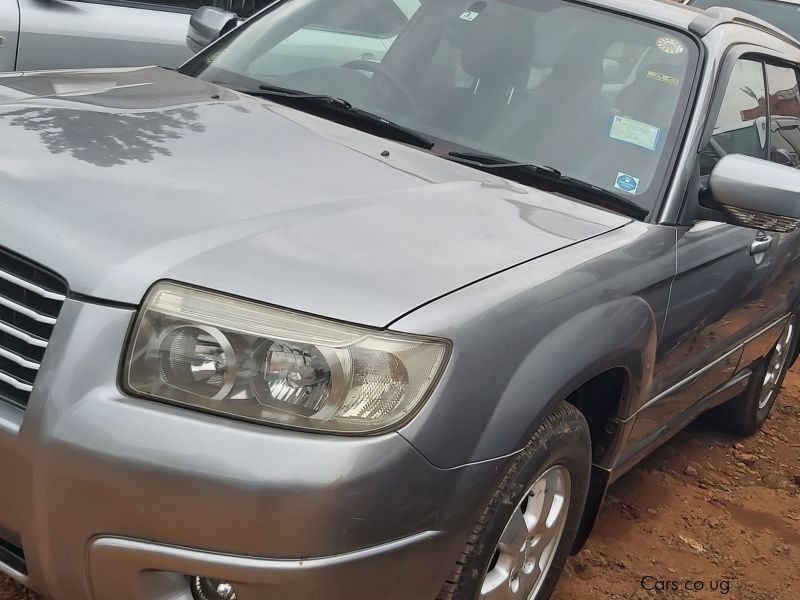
[
  {"x": 768, "y": 133},
  {"x": 724, "y": 74},
  {"x": 733, "y": 54},
  {"x": 736, "y": 131},
  {"x": 781, "y": 64}
]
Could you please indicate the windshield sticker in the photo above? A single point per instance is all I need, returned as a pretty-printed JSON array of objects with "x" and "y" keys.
[
  {"x": 626, "y": 183},
  {"x": 635, "y": 132},
  {"x": 469, "y": 15},
  {"x": 669, "y": 45},
  {"x": 663, "y": 78}
]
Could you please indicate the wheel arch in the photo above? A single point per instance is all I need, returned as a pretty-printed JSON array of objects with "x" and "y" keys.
[
  {"x": 600, "y": 400},
  {"x": 611, "y": 377},
  {"x": 617, "y": 357},
  {"x": 500, "y": 395}
]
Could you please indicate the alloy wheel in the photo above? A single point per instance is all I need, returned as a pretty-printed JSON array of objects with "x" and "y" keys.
[
  {"x": 777, "y": 362},
  {"x": 529, "y": 540}
]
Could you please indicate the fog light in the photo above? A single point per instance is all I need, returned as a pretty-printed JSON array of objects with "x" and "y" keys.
[{"x": 205, "y": 588}]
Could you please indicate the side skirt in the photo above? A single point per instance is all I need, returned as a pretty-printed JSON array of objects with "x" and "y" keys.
[{"x": 602, "y": 478}]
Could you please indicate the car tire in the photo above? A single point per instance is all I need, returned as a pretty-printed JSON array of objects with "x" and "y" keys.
[
  {"x": 745, "y": 414},
  {"x": 553, "y": 469}
]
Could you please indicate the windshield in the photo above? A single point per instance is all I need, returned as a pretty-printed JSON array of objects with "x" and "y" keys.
[
  {"x": 784, "y": 15},
  {"x": 595, "y": 95}
]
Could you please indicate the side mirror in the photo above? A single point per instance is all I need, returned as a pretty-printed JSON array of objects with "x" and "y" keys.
[
  {"x": 756, "y": 193},
  {"x": 208, "y": 24}
]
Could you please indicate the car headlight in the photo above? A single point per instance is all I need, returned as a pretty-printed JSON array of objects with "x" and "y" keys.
[{"x": 260, "y": 363}]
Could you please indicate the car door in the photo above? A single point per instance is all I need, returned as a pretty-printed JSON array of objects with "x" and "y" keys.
[
  {"x": 731, "y": 281},
  {"x": 56, "y": 34},
  {"x": 9, "y": 28},
  {"x": 779, "y": 270}
]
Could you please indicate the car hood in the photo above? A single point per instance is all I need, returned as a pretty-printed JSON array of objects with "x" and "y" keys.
[{"x": 118, "y": 178}]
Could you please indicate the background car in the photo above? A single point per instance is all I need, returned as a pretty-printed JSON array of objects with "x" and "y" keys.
[
  {"x": 345, "y": 32},
  {"x": 58, "y": 34}
]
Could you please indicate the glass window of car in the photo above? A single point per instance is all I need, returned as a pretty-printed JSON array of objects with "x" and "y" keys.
[
  {"x": 525, "y": 81},
  {"x": 784, "y": 111},
  {"x": 741, "y": 126},
  {"x": 621, "y": 61},
  {"x": 381, "y": 18}
]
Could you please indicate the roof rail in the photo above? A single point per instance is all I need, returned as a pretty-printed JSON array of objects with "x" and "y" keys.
[{"x": 718, "y": 15}]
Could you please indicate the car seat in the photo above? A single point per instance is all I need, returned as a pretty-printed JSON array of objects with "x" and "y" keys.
[{"x": 496, "y": 51}]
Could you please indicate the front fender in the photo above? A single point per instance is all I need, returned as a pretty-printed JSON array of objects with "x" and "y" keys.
[
  {"x": 553, "y": 325},
  {"x": 619, "y": 334}
]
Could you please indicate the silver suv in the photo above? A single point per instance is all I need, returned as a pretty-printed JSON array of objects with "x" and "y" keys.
[{"x": 276, "y": 328}]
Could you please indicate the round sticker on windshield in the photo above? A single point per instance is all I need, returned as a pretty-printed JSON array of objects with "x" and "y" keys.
[{"x": 669, "y": 45}]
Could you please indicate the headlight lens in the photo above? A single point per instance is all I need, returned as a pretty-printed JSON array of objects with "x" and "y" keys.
[{"x": 266, "y": 364}]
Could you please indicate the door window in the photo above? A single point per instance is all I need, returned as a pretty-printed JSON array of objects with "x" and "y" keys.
[
  {"x": 741, "y": 127},
  {"x": 784, "y": 110}
]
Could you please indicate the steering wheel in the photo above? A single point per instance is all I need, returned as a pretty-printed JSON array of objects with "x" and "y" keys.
[{"x": 378, "y": 69}]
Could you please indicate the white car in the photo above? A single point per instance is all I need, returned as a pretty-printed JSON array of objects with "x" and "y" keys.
[{"x": 58, "y": 34}]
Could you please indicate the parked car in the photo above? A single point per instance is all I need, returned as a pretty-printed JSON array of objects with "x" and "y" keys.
[
  {"x": 353, "y": 30},
  {"x": 384, "y": 329},
  {"x": 784, "y": 14},
  {"x": 59, "y": 34}
]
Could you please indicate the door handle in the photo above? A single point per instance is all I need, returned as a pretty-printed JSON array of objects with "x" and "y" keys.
[{"x": 761, "y": 244}]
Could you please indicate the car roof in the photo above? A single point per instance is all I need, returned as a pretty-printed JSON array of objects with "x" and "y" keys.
[
  {"x": 690, "y": 18},
  {"x": 665, "y": 11}
]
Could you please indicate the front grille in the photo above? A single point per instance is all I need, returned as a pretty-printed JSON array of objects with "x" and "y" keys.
[{"x": 30, "y": 300}]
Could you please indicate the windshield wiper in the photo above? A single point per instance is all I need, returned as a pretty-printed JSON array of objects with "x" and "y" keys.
[
  {"x": 550, "y": 177},
  {"x": 271, "y": 91},
  {"x": 355, "y": 116}
]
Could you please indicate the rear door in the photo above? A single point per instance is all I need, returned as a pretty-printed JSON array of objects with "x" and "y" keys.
[
  {"x": 9, "y": 27},
  {"x": 57, "y": 34}
]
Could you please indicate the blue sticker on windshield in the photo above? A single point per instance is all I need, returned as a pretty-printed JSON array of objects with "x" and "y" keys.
[{"x": 626, "y": 183}]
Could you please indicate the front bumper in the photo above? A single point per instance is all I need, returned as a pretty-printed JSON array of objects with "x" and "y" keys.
[{"x": 117, "y": 498}]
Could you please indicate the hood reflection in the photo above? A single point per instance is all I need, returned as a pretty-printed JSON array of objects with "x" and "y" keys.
[{"x": 106, "y": 139}]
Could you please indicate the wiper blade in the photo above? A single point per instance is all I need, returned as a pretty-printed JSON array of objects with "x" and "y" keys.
[
  {"x": 488, "y": 161},
  {"x": 552, "y": 178},
  {"x": 282, "y": 92},
  {"x": 355, "y": 115},
  {"x": 268, "y": 91},
  {"x": 397, "y": 131}
]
